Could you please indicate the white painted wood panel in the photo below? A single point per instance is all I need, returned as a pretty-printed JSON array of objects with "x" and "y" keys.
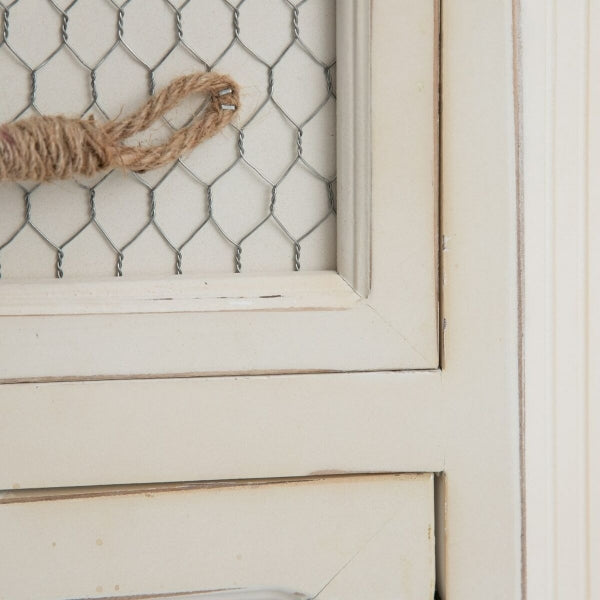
[
  {"x": 348, "y": 537},
  {"x": 116, "y": 432},
  {"x": 482, "y": 550},
  {"x": 386, "y": 319}
]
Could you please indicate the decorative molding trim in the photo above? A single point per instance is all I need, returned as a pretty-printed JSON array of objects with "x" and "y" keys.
[
  {"x": 354, "y": 143},
  {"x": 318, "y": 290},
  {"x": 561, "y": 143}
]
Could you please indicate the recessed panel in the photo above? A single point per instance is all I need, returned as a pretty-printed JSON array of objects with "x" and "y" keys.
[{"x": 250, "y": 199}]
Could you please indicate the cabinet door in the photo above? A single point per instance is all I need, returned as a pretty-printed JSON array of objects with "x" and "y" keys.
[
  {"x": 178, "y": 418},
  {"x": 376, "y": 311}
]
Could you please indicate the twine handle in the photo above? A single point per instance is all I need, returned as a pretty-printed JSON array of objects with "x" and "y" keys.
[{"x": 46, "y": 148}]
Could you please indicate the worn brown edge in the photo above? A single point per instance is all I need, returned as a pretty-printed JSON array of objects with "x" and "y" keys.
[{"x": 21, "y": 496}]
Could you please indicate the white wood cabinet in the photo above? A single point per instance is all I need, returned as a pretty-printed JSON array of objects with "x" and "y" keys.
[{"x": 297, "y": 421}]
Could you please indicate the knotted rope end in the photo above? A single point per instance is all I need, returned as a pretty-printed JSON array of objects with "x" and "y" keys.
[{"x": 46, "y": 148}]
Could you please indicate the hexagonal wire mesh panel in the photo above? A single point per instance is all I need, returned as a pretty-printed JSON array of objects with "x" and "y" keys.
[{"x": 260, "y": 196}]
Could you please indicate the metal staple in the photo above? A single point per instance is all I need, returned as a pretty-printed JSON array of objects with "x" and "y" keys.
[{"x": 178, "y": 13}]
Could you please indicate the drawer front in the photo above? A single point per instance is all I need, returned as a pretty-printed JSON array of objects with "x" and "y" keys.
[{"x": 340, "y": 537}]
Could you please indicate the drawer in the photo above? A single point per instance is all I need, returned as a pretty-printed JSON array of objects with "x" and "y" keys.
[{"x": 331, "y": 537}]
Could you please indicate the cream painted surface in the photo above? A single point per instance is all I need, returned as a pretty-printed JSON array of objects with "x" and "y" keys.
[
  {"x": 561, "y": 142},
  {"x": 387, "y": 250},
  {"x": 461, "y": 420},
  {"x": 479, "y": 403},
  {"x": 219, "y": 428},
  {"x": 243, "y": 293},
  {"x": 349, "y": 537}
]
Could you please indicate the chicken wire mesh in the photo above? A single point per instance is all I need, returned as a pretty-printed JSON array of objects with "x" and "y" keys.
[{"x": 258, "y": 197}]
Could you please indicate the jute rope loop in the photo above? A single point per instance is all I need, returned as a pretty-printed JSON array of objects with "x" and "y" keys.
[{"x": 57, "y": 147}]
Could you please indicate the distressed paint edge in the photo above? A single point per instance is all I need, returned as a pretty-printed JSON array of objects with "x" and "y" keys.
[{"x": 324, "y": 290}]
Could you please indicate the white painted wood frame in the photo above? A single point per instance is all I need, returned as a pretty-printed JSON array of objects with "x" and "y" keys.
[
  {"x": 461, "y": 421},
  {"x": 560, "y": 79},
  {"x": 336, "y": 537},
  {"x": 379, "y": 312}
]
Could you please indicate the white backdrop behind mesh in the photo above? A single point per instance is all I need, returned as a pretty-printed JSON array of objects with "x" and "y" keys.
[{"x": 271, "y": 210}]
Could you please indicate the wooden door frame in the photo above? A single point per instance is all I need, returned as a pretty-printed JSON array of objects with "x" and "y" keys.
[{"x": 560, "y": 189}]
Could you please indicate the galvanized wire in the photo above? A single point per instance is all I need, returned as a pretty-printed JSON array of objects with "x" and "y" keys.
[{"x": 96, "y": 105}]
